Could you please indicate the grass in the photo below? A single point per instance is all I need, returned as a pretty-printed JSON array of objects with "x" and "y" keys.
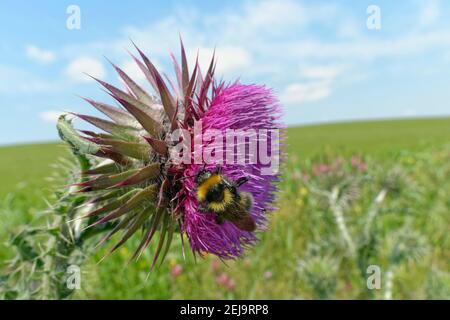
[
  {"x": 25, "y": 168},
  {"x": 302, "y": 254},
  {"x": 377, "y": 138}
]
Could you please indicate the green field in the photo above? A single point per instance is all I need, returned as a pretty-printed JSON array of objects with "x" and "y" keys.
[
  {"x": 378, "y": 138},
  {"x": 305, "y": 253}
]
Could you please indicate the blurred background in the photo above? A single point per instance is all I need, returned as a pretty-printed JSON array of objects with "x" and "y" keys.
[{"x": 365, "y": 92}]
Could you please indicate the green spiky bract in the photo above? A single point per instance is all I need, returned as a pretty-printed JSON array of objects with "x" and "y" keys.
[{"x": 131, "y": 183}]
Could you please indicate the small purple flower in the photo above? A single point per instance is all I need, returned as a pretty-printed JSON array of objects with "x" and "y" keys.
[
  {"x": 176, "y": 271},
  {"x": 358, "y": 163}
]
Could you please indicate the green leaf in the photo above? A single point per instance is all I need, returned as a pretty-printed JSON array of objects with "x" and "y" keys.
[
  {"x": 117, "y": 115},
  {"x": 107, "y": 168},
  {"x": 149, "y": 172},
  {"x": 70, "y": 135},
  {"x": 154, "y": 223},
  {"x": 112, "y": 205},
  {"x": 147, "y": 122},
  {"x": 124, "y": 132},
  {"x": 166, "y": 98},
  {"x": 140, "y": 111},
  {"x": 143, "y": 195},
  {"x": 170, "y": 232},
  {"x": 137, "y": 90},
  {"x": 136, "y": 224},
  {"x": 131, "y": 149},
  {"x": 184, "y": 67},
  {"x": 105, "y": 181},
  {"x": 162, "y": 236},
  {"x": 158, "y": 146}
]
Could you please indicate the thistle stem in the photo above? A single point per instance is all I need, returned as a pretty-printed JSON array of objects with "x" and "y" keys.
[
  {"x": 60, "y": 247},
  {"x": 388, "y": 284},
  {"x": 373, "y": 211},
  {"x": 340, "y": 221}
]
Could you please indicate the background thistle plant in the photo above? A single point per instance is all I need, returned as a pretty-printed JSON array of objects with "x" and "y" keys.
[
  {"x": 348, "y": 237},
  {"x": 438, "y": 285},
  {"x": 44, "y": 254},
  {"x": 319, "y": 272}
]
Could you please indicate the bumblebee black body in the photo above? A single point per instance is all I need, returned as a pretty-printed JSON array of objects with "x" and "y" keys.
[{"x": 218, "y": 194}]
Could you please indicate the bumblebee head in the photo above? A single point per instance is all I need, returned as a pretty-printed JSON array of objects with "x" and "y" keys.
[{"x": 202, "y": 176}]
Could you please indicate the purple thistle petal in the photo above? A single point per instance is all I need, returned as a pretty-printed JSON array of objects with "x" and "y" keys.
[{"x": 236, "y": 107}]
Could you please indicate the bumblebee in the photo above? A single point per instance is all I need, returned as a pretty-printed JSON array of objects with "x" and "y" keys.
[{"x": 218, "y": 194}]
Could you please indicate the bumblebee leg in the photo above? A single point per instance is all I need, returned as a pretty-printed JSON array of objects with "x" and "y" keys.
[
  {"x": 241, "y": 181},
  {"x": 202, "y": 208},
  {"x": 218, "y": 169},
  {"x": 202, "y": 170}
]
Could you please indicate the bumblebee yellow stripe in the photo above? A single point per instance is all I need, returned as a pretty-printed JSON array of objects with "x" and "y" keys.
[
  {"x": 221, "y": 206},
  {"x": 203, "y": 188}
]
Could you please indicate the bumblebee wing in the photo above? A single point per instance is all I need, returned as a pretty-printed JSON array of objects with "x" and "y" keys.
[
  {"x": 245, "y": 223},
  {"x": 240, "y": 217},
  {"x": 229, "y": 185},
  {"x": 246, "y": 200}
]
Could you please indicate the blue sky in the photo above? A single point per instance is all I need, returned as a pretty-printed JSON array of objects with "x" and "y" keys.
[{"x": 320, "y": 57}]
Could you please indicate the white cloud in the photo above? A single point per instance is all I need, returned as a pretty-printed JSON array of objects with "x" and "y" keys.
[
  {"x": 14, "y": 80},
  {"x": 316, "y": 85},
  {"x": 323, "y": 72},
  {"x": 349, "y": 29},
  {"x": 133, "y": 71},
  {"x": 429, "y": 13},
  {"x": 78, "y": 67},
  {"x": 366, "y": 49},
  {"x": 297, "y": 93},
  {"x": 229, "y": 59},
  {"x": 50, "y": 115},
  {"x": 131, "y": 68},
  {"x": 39, "y": 55},
  {"x": 274, "y": 17}
]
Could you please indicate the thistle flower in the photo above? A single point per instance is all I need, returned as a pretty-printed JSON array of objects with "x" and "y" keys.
[{"x": 139, "y": 186}]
